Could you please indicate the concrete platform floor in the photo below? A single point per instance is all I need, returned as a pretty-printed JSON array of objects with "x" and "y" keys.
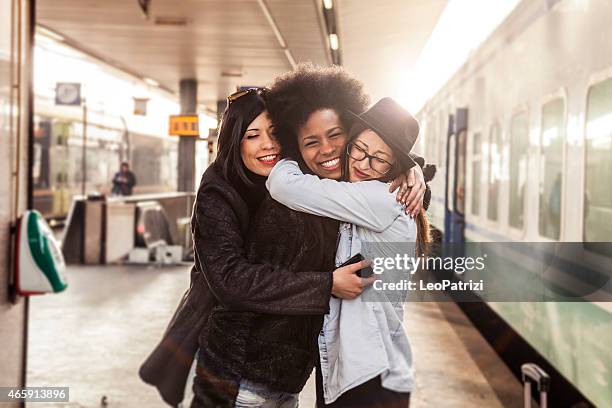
[{"x": 94, "y": 336}]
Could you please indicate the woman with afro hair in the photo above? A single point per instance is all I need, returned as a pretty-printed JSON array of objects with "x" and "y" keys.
[{"x": 310, "y": 108}]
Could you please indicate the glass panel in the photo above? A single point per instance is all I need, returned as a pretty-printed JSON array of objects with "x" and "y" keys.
[
  {"x": 8, "y": 115},
  {"x": 477, "y": 145},
  {"x": 476, "y": 176},
  {"x": 598, "y": 194},
  {"x": 519, "y": 143},
  {"x": 436, "y": 140},
  {"x": 443, "y": 132},
  {"x": 551, "y": 168},
  {"x": 494, "y": 173},
  {"x": 429, "y": 139},
  {"x": 461, "y": 173}
]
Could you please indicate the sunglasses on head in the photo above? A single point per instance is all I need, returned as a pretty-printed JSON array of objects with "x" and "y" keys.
[{"x": 239, "y": 94}]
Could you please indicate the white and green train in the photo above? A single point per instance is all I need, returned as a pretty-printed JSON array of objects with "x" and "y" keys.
[{"x": 528, "y": 158}]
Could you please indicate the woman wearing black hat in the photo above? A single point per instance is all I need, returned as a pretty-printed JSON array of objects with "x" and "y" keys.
[{"x": 365, "y": 355}]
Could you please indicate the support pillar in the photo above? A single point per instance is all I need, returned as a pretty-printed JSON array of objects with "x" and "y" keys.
[
  {"x": 213, "y": 139},
  {"x": 187, "y": 145}
]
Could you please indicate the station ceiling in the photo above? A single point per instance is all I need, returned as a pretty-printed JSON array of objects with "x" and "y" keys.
[{"x": 225, "y": 44}]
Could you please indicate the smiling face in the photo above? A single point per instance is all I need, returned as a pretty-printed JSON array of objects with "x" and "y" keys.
[
  {"x": 259, "y": 149},
  {"x": 321, "y": 141},
  {"x": 371, "y": 144}
]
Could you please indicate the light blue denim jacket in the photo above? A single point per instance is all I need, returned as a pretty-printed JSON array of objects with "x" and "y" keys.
[{"x": 360, "y": 340}]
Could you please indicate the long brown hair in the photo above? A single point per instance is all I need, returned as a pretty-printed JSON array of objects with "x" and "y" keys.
[
  {"x": 423, "y": 233},
  {"x": 234, "y": 123}
]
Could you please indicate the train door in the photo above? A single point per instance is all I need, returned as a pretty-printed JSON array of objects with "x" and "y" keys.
[{"x": 454, "y": 213}]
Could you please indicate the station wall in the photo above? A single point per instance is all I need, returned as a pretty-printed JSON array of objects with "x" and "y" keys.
[{"x": 14, "y": 60}]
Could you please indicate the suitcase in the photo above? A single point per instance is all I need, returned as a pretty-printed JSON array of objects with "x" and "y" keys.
[{"x": 533, "y": 374}]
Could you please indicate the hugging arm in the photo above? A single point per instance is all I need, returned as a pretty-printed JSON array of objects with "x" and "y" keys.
[
  {"x": 240, "y": 284},
  {"x": 411, "y": 187},
  {"x": 368, "y": 204}
]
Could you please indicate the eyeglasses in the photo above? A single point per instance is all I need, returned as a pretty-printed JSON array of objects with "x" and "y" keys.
[
  {"x": 237, "y": 95},
  {"x": 380, "y": 166}
]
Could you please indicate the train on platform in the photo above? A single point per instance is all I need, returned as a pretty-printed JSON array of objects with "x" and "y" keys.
[
  {"x": 522, "y": 136},
  {"x": 57, "y": 169}
]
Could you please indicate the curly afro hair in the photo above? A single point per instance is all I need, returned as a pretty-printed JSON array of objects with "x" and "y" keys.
[{"x": 296, "y": 94}]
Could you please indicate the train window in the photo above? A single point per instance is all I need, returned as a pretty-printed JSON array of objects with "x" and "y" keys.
[
  {"x": 428, "y": 132},
  {"x": 476, "y": 172},
  {"x": 435, "y": 132},
  {"x": 519, "y": 143},
  {"x": 461, "y": 164},
  {"x": 433, "y": 136},
  {"x": 494, "y": 172},
  {"x": 551, "y": 168},
  {"x": 598, "y": 194},
  {"x": 443, "y": 132}
]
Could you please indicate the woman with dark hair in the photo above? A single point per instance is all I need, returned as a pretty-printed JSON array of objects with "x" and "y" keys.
[
  {"x": 234, "y": 279},
  {"x": 365, "y": 356}
]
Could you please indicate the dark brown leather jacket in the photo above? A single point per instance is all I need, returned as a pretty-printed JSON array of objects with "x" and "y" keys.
[{"x": 276, "y": 345}]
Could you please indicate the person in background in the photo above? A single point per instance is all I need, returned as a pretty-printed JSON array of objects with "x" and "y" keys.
[{"x": 124, "y": 180}]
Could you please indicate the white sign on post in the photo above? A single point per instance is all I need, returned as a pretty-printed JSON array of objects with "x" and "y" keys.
[{"x": 68, "y": 93}]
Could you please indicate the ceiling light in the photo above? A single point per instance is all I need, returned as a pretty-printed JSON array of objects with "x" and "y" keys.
[
  {"x": 151, "y": 82},
  {"x": 328, "y": 4},
  {"x": 229, "y": 73},
  {"x": 170, "y": 21},
  {"x": 49, "y": 33},
  {"x": 333, "y": 41}
]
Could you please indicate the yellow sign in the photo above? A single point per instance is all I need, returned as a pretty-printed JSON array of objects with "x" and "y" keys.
[{"x": 184, "y": 125}]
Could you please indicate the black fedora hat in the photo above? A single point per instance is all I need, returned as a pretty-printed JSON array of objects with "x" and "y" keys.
[{"x": 395, "y": 126}]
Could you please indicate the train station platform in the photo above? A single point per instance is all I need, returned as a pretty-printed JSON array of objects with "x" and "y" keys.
[
  {"x": 94, "y": 337},
  {"x": 110, "y": 113}
]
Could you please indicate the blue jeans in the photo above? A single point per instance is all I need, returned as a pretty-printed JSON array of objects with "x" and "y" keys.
[{"x": 253, "y": 395}]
